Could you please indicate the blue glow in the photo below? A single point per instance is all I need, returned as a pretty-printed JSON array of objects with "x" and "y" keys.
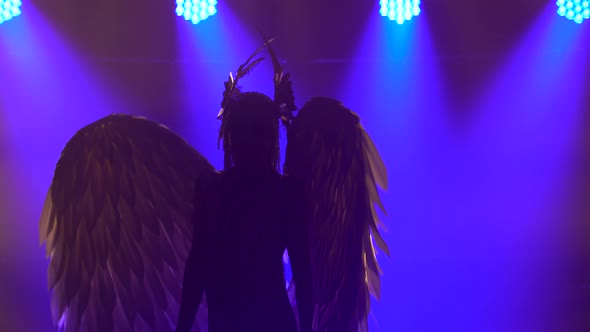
[
  {"x": 9, "y": 9},
  {"x": 196, "y": 10},
  {"x": 212, "y": 51},
  {"x": 492, "y": 190},
  {"x": 49, "y": 91},
  {"x": 524, "y": 105},
  {"x": 575, "y": 10},
  {"x": 398, "y": 67},
  {"x": 400, "y": 10}
]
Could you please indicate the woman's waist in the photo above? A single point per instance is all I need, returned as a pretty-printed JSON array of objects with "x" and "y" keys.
[{"x": 241, "y": 286}]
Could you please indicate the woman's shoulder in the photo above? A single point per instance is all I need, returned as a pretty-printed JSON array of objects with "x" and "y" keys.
[
  {"x": 209, "y": 176},
  {"x": 207, "y": 181}
]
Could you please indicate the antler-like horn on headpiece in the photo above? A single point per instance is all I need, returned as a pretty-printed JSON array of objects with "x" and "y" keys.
[
  {"x": 232, "y": 90},
  {"x": 283, "y": 94},
  {"x": 231, "y": 93}
]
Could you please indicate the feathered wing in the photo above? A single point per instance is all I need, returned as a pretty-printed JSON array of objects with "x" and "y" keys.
[
  {"x": 341, "y": 169},
  {"x": 118, "y": 226}
]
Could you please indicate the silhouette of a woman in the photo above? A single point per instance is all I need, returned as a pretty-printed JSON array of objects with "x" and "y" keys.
[{"x": 251, "y": 214}]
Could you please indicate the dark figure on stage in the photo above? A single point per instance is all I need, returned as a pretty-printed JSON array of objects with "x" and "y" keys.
[
  {"x": 131, "y": 202},
  {"x": 249, "y": 215}
]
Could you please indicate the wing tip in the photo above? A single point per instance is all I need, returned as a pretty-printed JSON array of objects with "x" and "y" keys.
[
  {"x": 376, "y": 163},
  {"x": 44, "y": 221}
]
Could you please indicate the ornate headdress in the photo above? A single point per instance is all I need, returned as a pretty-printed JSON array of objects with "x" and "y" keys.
[{"x": 284, "y": 99}]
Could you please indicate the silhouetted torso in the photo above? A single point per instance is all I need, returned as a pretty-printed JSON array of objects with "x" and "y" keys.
[{"x": 246, "y": 237}]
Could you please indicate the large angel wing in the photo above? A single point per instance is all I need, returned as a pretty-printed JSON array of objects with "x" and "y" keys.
[
  {"x": 118, "y": 226},
  {"x": 337, "y": 161}
]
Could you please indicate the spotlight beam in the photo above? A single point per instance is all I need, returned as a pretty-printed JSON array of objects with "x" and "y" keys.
[
  {"x": 9, "y": 9},
  {"x": 399, "y": 10},
  {"x": 575, "y": 10},
  {"x": 196, "y": 11}
]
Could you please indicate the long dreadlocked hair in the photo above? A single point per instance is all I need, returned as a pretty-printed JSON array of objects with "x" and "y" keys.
[{"x": 250, "y": 120}]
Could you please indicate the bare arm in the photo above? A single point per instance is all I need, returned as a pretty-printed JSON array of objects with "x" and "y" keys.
[
  {"x": 193, "y": 286},
  {"x": 297, "y": 217}
]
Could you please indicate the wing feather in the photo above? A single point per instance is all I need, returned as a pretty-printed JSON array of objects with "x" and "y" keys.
[
  {"x": 117, "y": 225},
  {"x": 378, "y": 168},
  {"x": 330, "y": 152}
]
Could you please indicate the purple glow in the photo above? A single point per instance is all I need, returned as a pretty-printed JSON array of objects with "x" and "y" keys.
[
  {"x": 476, "y": 213},
  {"x": 474, "y": 210},
  {"x": 50, "y": 95}
]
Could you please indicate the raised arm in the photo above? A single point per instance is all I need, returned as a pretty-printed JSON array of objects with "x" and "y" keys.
[{"x": 296, "y": 214}]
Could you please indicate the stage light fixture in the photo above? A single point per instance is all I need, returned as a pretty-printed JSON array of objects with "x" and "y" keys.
[
  {"x": 9, "y": 9},
  {"x": 400, "y": 10},
  {"x": 575, "y": 10},
  {"x": 196, "y": 10}
]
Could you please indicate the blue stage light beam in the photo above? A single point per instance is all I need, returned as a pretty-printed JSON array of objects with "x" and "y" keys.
[
  {"x": 49, "y": 91},
  {"x": 9, "y": 9},
  {"x": 196, "y": 11},
  {"x": 396, "y": 86},
  {"x": 526, "y": 142},
  {"x": 400, "y": 10},
  {"x": 208, "y": 53},
  {"x": 575, "y": 10}
]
